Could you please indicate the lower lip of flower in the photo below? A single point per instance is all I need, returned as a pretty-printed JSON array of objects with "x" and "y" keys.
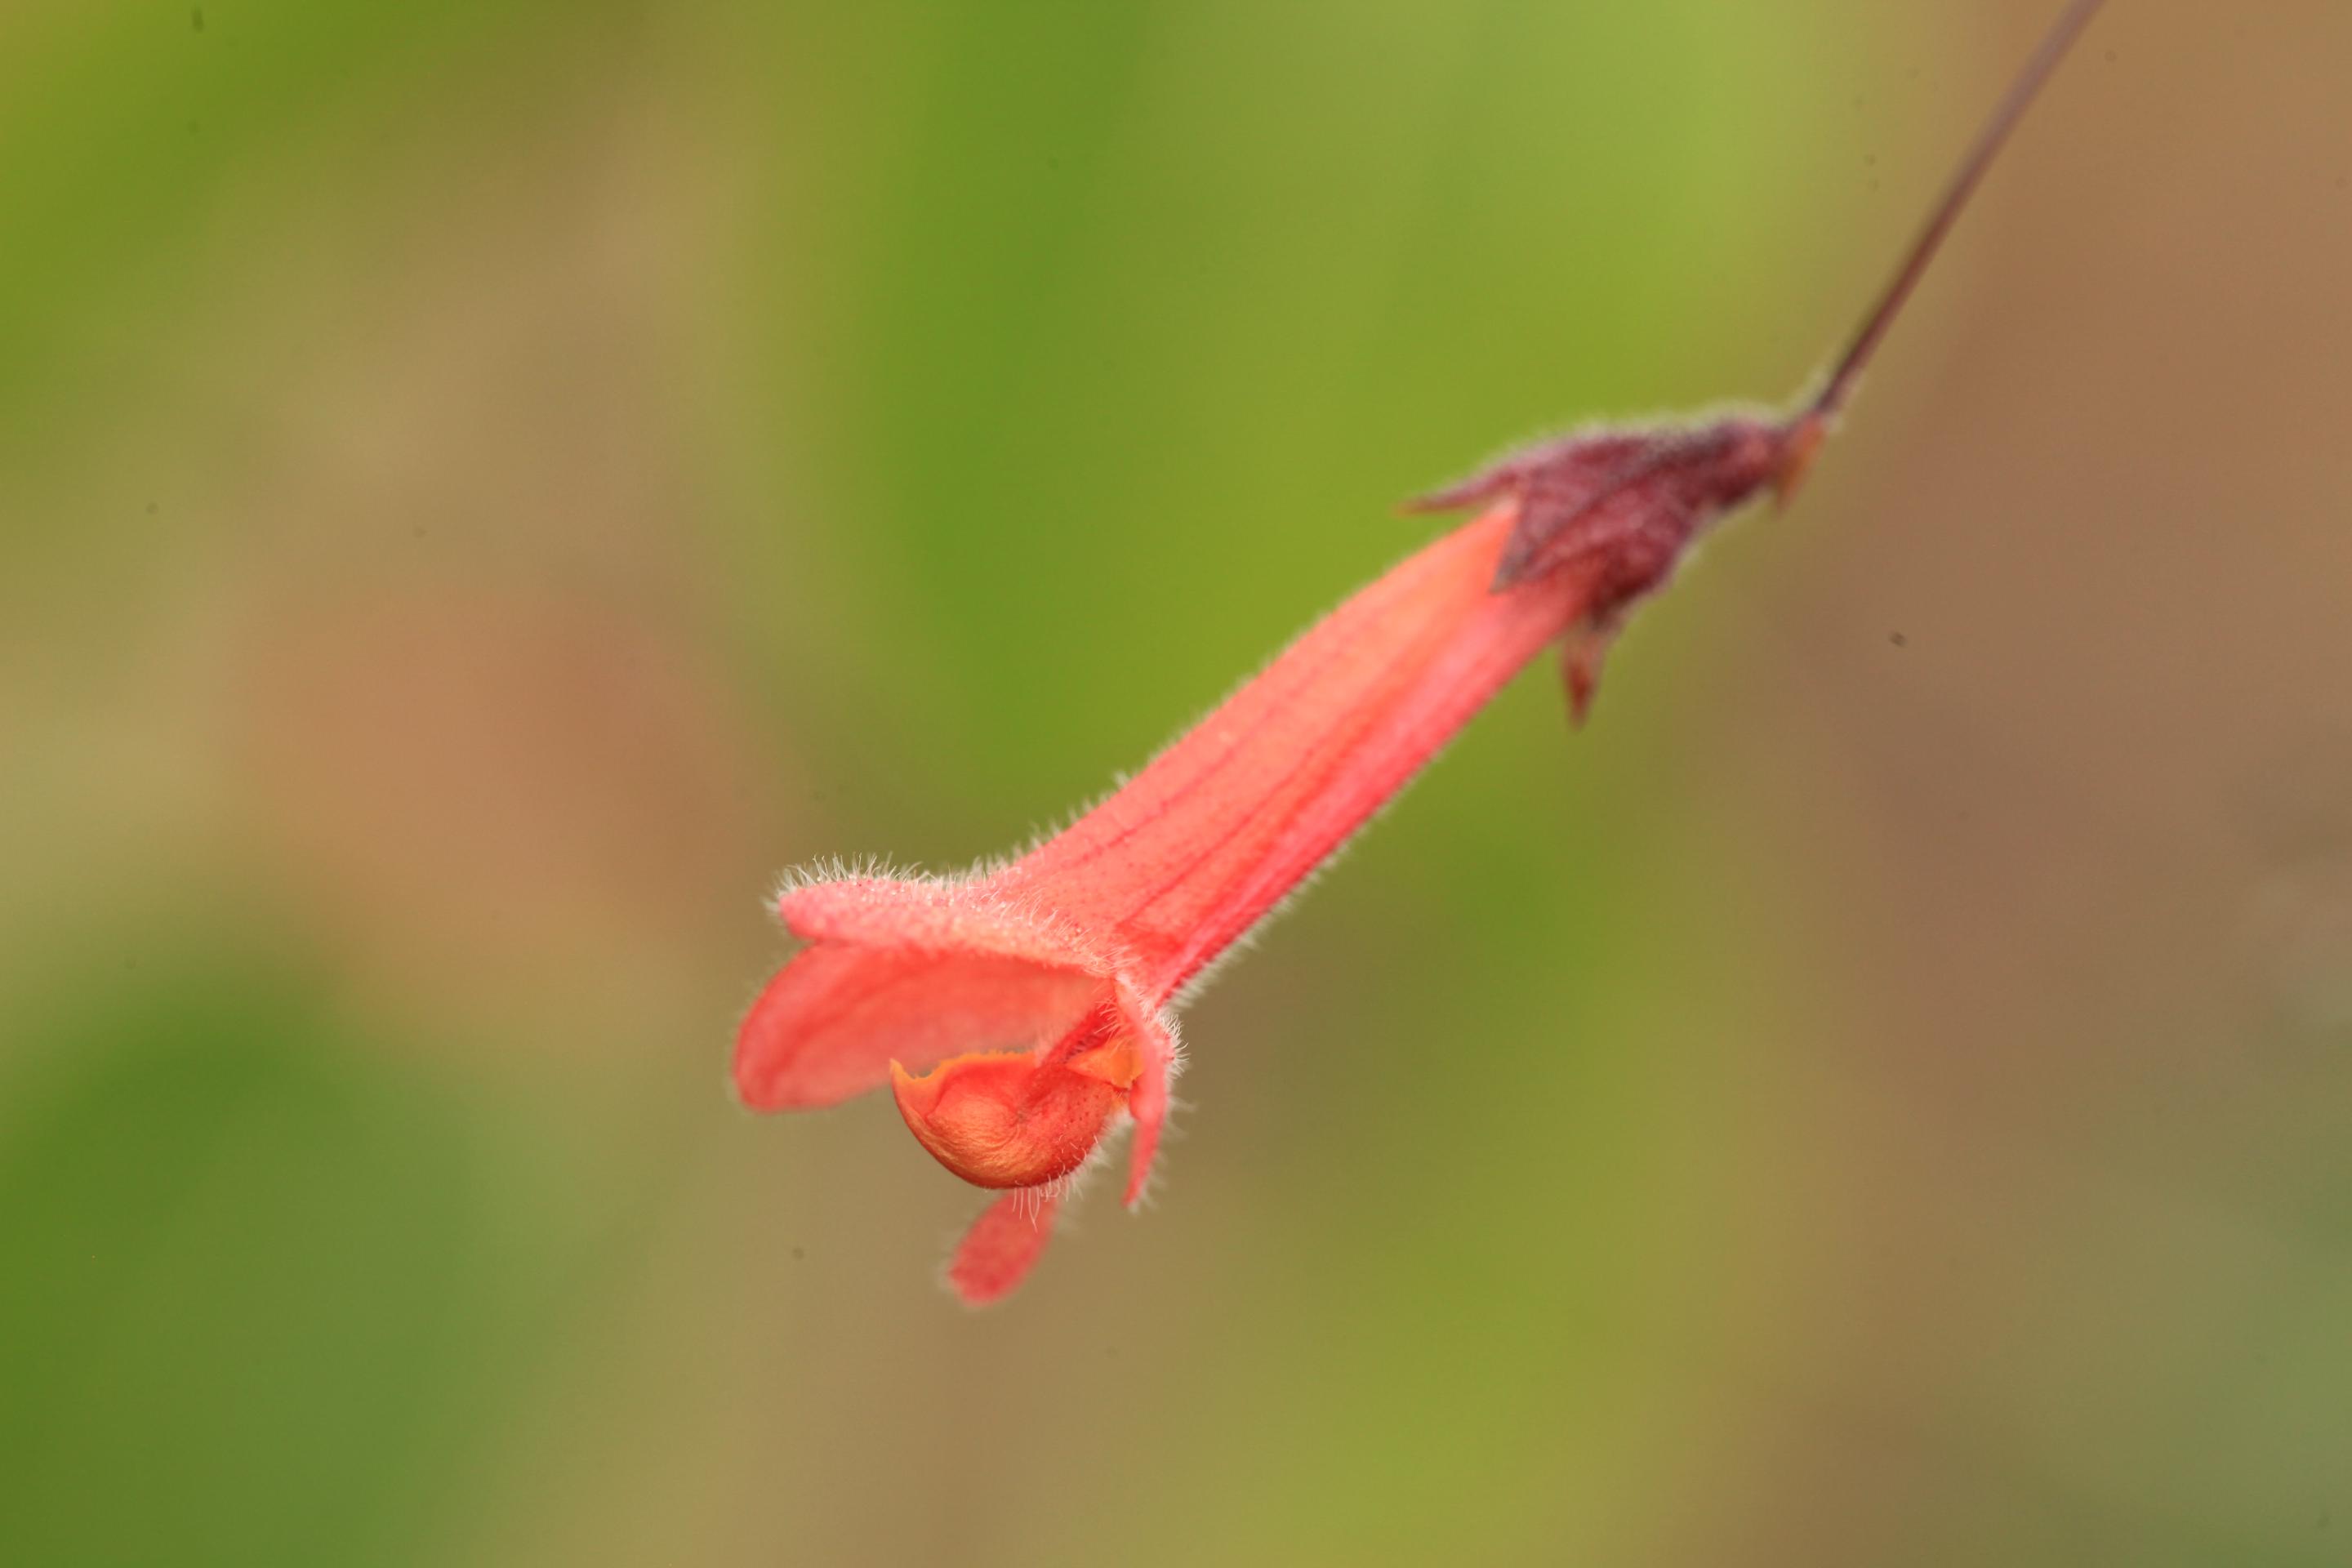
[{"x": 1008, "y": 1118}]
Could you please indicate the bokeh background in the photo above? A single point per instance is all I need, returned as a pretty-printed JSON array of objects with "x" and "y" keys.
[{"x": 484, "y": 486}]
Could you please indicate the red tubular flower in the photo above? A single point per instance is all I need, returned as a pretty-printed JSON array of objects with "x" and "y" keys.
[{"x": 1019, "y": 1013}]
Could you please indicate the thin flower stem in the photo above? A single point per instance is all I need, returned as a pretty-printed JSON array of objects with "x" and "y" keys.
[{"x": 1965, "y": 180}]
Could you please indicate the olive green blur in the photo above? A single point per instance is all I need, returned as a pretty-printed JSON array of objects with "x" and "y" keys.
[{"x": 486, "y": 487}]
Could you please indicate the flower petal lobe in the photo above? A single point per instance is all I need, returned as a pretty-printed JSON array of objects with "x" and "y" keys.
[{"x": 1003, "y": 1245}]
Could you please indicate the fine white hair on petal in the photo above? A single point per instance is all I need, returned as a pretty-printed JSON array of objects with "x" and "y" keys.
[
  {"x": 1092, "y": 948},
  {"x": 845, "y": 868},
  {"x": 1031, "y": 1201},
  {"x": 1168, "y": 1133},
  {"x": 1176, "y": 1056}
]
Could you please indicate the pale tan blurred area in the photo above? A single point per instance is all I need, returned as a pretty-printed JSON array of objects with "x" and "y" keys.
[
  {"x": 2056, "y": 667},
  {"x": 1878, "y": 1096},
  {"x": 433, "y": 656}
]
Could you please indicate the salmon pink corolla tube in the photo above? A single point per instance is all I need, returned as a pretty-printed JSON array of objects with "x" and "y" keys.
[{"x": 1021, "y": 1014}]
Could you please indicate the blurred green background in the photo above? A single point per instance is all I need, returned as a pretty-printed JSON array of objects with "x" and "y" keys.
[{"x": 484, "y": 487}]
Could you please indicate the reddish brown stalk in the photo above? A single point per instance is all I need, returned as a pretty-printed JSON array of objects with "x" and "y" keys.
[{"x": 1807, "y": 431}]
